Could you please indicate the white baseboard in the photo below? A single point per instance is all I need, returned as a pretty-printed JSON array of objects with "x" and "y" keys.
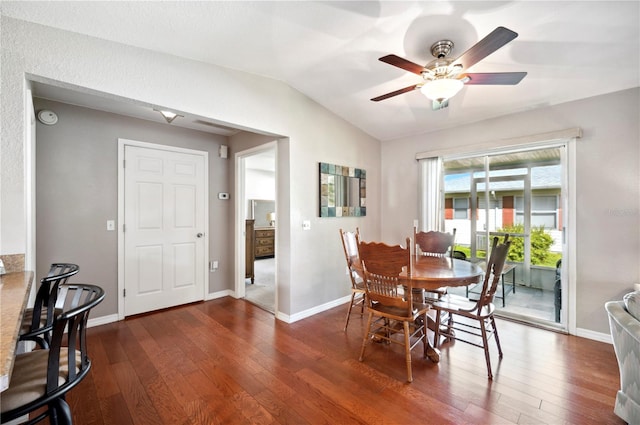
[
  {"x": 220, "y": 294},
  {"x": 596, "y": 336},
  {"x": 310, "y": 312},
  {"x": 102, "y": 320}
]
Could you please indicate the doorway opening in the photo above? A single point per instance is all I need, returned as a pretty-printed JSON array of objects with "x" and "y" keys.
[{"x": 257, "y": 174}]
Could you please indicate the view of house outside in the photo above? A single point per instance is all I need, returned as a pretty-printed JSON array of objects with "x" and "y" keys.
[
  {"x": 523, "y": 187},
  {"x": 505, "y": 209}
]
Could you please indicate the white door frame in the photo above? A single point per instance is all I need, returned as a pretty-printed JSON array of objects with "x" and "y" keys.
[
  {"x": 120, "y": 225},
  {"x": 240, "y": 218}
]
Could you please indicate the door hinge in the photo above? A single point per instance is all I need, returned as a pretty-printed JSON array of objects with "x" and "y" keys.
[
  {"x": 124, "y": 292},
  {"x": 124, "y": 228},
  {"x": 124, "y": 163}
]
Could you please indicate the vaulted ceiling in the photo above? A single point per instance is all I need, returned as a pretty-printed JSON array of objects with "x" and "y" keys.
[{"x": 329, "y": 50}]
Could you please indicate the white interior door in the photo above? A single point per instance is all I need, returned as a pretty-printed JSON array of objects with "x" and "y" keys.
[{"x": 164, "y": 219}]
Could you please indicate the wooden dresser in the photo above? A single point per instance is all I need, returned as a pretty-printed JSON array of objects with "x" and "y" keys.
[
  {"x": 265, "y": 242},
  {"x": 249, "y": 250}
]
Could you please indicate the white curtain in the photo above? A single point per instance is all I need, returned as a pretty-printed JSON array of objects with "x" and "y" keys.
[{"x": 430, "y": 185}]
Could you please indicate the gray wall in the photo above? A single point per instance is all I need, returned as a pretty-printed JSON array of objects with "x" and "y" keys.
[
  {"x": 607, "y": 171},
  {"x": 77, "y": 192}
]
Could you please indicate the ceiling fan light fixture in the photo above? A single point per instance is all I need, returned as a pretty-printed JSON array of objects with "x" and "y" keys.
[{"x": 441, "y": 89}]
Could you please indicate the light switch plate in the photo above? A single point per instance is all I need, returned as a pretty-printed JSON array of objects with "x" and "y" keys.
[{"x": 111, "y": 225}]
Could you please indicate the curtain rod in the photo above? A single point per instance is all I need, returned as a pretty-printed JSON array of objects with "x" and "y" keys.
[{"x": 568, "y": 133}]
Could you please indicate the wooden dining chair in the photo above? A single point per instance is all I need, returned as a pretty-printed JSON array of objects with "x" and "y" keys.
[
  {"x": 389, "y": 300},
  {"x": 37, "y": 321},
  {"x": 41, "y": 378},
  {"x": 480, "y": 324},
  {"x": 435, "y": 244},
  {"x": 354, "y": 267}
]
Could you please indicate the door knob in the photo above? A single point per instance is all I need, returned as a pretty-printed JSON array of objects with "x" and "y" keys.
[{"x": 199, "y": 235}]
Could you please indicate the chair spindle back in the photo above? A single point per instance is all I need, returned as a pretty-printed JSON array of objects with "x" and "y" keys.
[
  {"x": 495, "y": 265},
  {"x": 434, "y": 243},
  {"x": 383, "y": 264}
]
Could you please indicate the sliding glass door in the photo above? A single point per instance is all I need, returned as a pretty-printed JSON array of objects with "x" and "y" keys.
[{"x": 517, "y": 193}]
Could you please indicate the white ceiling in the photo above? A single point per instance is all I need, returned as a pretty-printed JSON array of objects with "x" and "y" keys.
[{"x": 329, "y": 51}]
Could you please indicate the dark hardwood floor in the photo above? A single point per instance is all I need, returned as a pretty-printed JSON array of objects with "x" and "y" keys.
[{"x": 227, "y": 361}]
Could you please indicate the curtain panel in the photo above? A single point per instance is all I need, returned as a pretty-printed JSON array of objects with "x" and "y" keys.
[{"x": 431, "y": 196}]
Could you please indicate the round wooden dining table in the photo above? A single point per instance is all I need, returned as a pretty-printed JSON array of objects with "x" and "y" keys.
[{"x": 430, "y": 272}]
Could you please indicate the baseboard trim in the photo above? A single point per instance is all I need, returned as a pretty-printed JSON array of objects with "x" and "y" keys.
[
  {"x": 102, "y": 320},
  {"x": 310, "y": 312},
  {"x": 596, "y": 336},
  {"x": 220, "y": 294}
]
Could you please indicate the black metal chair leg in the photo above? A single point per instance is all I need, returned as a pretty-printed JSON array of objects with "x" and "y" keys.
[{"x": 63, "y": 412}]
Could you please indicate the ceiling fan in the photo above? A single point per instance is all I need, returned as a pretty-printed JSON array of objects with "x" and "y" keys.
[{"x": 445, "y": 77}]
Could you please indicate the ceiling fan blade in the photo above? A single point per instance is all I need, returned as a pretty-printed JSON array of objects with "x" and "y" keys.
[
  {"x": 397, "y": 92},
  {"x": 483, "y": 48},
  {"x": 495, "y": 78},
  {"x": 402, "y": 63}
]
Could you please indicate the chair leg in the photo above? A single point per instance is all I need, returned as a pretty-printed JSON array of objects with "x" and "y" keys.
[
  {"x": 407, "y": 350},
  {"x": 425, "y": 336},
  {"x": 367, "y": 333},
  {"x": 63, "y": 412},
  {"x": 387, "y": 331},
  {"x": 495, "y": 335},
  {"x": 485, "y": 345},
  {"x": 362, "y": 301},
  {"x": 450, "y": 330},
  {"x": 436, "y": 332},
  {"x": 59, "y": 412},
  {"x": 353, "y": 297}
]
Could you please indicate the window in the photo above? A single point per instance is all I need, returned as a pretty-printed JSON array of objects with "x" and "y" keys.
[
  {"x": 461, "y": 208},
  {"x": 544, "y": 211},
  {"x": 485, "y": 195}
]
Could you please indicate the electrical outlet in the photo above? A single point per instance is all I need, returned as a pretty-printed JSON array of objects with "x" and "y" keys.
[
  {"x": 306, "y": 225},
  {"x": 213, "y": 265}
]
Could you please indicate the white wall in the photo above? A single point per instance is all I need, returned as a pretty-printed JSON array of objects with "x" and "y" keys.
[
  {"x": 314, "y": 275},
  {"x": 608, "y": 188},
  {"x": 260, "y": 184}
]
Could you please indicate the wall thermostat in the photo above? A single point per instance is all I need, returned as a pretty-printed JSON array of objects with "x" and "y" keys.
[
  {"x": 47, "y": 117},
  {"x": 223, "y": 195}
]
